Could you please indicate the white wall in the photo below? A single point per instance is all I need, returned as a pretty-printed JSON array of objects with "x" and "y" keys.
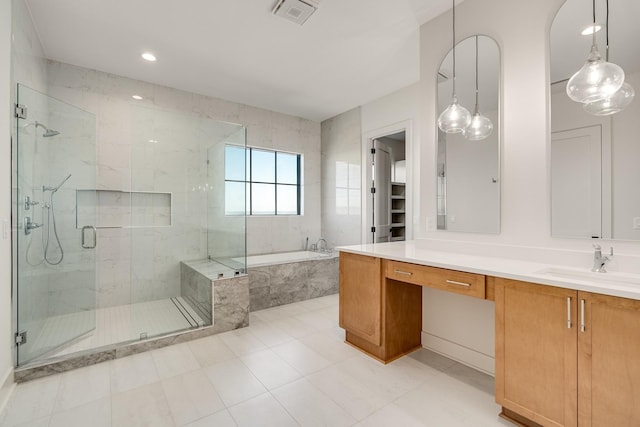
[
  {"x": 625, "y": 171},
  {"x": 268, "y": 129},
  {"x": 341, "y": 179},
  {"x": 395, "y": 107},
  {"x": 6, "y": 361},
  {"x": 396, "y": 111},
  {"x": 521, "y": 29},
  {"x": 344, "y": 143}
]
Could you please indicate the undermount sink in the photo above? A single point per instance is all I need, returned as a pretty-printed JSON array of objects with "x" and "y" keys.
[{"x": 584, "y": 275}]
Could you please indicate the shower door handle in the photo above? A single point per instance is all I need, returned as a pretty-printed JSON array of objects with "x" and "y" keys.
[{"x": 92, "y": 243}]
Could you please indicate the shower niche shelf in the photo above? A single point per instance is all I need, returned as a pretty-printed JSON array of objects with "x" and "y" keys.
[{"x": 122, "y": 209}]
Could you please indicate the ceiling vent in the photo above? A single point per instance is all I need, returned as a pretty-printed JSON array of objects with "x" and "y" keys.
[{"x": 296, "y": 11}]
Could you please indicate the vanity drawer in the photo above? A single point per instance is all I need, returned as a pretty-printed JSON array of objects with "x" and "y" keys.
[{"x": 439, "y": 278}]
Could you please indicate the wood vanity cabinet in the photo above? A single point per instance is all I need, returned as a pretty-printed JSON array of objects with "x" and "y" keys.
[
  {"x": 380, "y": 317},
  {"x": 609, "y": 361},
  {"x": 536, "y": 364},
  {"x": 360, "y": 307},
  {"x": 566, "y": 358},
  {"x": 381, "y": 301}
]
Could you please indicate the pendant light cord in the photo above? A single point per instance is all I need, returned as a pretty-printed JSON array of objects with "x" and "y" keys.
[
  {"x": 593, "y": 10},
  {"x": 476, "y": 73},
  {"x": 606, "y": 31},
  {"x": 454, "y": 48}
]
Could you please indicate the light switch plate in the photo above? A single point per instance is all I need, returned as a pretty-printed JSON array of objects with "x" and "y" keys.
[
  {"x": 430, "y": 225},
  {"x": 5, "y": 229},
  {"x": 636, "y": 223}
]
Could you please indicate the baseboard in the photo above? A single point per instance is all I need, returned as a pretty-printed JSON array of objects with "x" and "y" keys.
[
  {"x": 6, "y": 388},
  {"x": 466, "y": 356}
]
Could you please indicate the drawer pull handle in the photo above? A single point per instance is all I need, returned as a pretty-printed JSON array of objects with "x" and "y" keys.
[
  {"x": 406, "y": 273},
  {"x": 453, "y": 282},
  {"x": 568, "y": 312},
  {"x": 582, "y": 327}
]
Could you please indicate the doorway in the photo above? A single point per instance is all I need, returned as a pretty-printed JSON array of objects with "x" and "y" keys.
[{"x": 387, "y": 205}]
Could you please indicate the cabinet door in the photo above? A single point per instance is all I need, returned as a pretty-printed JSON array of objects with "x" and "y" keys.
[
  {"x": 361, "y": 296},
  {"x": 536, "y": 352},
  {"x": 609, "y": 361}
]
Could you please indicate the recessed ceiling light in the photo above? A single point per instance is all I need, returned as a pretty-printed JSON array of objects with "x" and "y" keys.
[
  {"x": 149, "y": 56},
  {"x": 136, "y": 97},
  {"x": 154, "y": 141},
  {"x": 589, "y": 30}
]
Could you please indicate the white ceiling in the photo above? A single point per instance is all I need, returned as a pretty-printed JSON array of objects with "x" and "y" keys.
[{"x": 347, "y": 54}]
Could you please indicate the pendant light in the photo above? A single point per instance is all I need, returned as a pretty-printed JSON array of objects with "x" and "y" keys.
[
  {"x": 455, "y": 118},
  {"x": 480, "y": 126},
  {"x": 597, "y": 79},
  {"x": 618, "y": 101}
]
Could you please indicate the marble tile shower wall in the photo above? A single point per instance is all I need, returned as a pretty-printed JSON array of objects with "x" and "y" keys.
[
  {"x": 140, "y": 264},
  {"x": 70, "y": 152}
]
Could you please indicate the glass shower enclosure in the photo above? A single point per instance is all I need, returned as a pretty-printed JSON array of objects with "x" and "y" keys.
[
  {"x": 55, "y": 254},
  {"x": 104, "y": 224}
]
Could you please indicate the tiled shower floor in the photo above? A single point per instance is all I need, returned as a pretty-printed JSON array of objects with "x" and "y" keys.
[{"x": 115, "y": 324}]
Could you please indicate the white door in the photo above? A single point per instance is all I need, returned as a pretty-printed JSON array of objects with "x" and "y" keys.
[
  {"x": 381, "y": 192},
  {"x": 576, "y": 183}
]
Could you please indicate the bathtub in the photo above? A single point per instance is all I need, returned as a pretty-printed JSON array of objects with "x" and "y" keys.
[
  {"x": 284, "y": 278},
  {"x": 285, "y": 258}
]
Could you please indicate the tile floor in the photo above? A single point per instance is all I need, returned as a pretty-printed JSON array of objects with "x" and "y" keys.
[{"x": 289, "y": 368}]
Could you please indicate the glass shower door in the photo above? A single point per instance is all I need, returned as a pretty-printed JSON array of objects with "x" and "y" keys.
[{"x": 55, "y": 211}]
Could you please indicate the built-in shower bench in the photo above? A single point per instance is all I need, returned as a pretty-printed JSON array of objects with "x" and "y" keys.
[{"x": 219, "y": 295}]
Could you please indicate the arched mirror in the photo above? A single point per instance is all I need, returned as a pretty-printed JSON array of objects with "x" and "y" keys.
[
  {"x": 468, "y": 193},
  {"x": 594, "y": 158}
]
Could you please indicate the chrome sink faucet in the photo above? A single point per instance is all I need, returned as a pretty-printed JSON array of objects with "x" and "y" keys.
[{"x": 600, "y": 261}]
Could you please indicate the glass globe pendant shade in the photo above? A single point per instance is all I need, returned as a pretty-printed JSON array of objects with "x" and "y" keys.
[
  {"x": 455, "y": 118},
  {"x": 479, "y": 128},
  {"x": 596, "y": 80},
  {"x": 612, "y": 104}
]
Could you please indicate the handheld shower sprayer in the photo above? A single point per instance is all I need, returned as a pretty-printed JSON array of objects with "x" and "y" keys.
[
  {"x": 54, "y": 189},
  {"x": 49, "y": 249}
]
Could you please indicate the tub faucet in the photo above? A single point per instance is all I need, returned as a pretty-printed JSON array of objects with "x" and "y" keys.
[
  {"x": 321, "y": 245},
  {"x": 600, "y": 261}
]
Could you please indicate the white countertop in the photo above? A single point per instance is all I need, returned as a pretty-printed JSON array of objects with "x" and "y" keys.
[{"x": 615, "y": 284}]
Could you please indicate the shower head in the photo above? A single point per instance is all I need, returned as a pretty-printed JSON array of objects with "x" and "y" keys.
[{"x": 48, "y": 133}]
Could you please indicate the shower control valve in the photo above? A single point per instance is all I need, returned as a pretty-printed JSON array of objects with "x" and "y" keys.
[
  {"x": 28, "y": 203},
  {"x": 29, "y": 225}
]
